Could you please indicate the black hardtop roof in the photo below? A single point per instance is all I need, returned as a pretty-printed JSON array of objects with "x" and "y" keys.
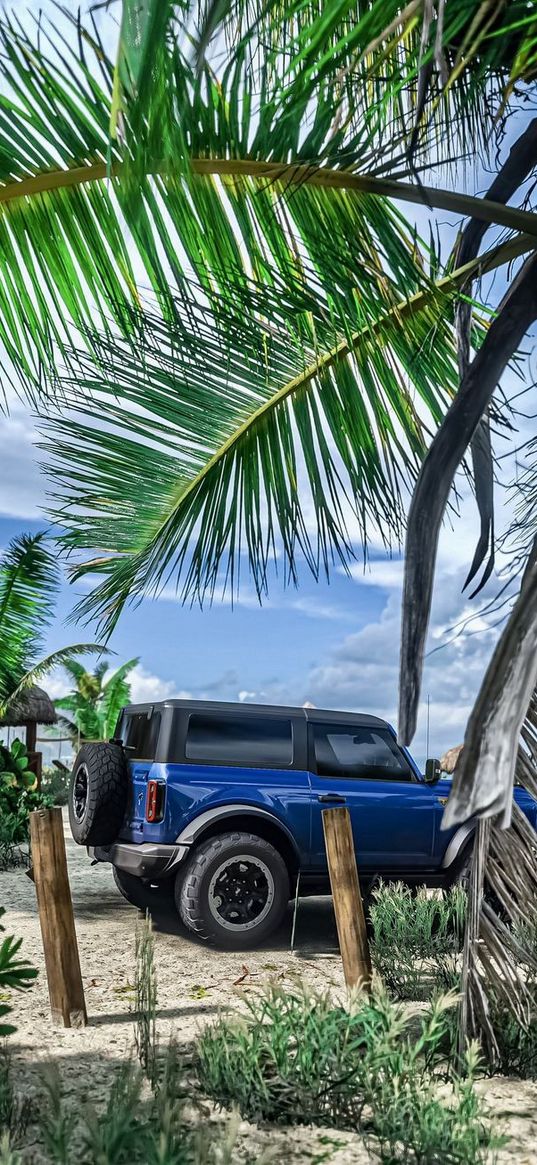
[{"x": 260, "y": 710}]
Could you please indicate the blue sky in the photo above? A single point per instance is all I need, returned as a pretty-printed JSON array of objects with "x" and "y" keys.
[{"x": 335, "y": 645}]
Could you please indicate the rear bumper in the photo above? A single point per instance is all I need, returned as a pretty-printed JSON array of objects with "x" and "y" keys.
[{"x": 142, "y": 861}]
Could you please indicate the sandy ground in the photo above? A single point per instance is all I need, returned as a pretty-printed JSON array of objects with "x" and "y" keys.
[{"x": 194, "y": 984}]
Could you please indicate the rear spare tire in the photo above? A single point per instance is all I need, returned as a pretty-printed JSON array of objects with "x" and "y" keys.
[
  {"x": 234, "y": 890},
  {"x": 98, "y": 794}
]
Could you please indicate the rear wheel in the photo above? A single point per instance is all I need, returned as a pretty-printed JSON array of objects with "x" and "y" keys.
[
  {"x": 141, "y": 893},
  {"x": 234, "y": 890}
]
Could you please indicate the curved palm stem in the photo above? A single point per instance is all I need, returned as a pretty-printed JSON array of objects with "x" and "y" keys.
[
  {"x": 55, "y": 659},
  {"x": 481, "y": 209}
]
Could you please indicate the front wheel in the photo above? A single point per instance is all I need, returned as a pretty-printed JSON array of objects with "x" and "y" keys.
[{"x": 234, "y": 890}]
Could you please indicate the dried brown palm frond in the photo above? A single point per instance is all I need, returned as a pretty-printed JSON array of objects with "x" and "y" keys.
[{"x": 498, "y": 961}]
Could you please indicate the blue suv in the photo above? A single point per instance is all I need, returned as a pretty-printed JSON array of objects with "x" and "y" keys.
[{"x": 222, "y": 803}]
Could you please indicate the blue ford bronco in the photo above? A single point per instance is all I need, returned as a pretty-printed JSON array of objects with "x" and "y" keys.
[{"x": 220, "y": 804}]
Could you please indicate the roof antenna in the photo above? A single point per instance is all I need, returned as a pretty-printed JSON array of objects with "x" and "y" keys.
[{"x": 428, "y": 724}]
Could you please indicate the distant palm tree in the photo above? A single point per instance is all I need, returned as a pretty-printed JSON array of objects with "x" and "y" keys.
[
  {"x": 29, "y": 579},
  {"x": 94, "y": 704}
]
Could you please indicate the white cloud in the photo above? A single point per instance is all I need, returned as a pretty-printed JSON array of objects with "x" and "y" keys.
[
  {"x": 147, "y": 688},
  {"x": 57, "y": 684},
  {"x": 22, "y": 490},
  {"x": 314, "y": 609}
]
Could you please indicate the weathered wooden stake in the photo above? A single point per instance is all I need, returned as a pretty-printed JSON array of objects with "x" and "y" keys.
[
  {"x": 55, "y": 907},
  {"x": 348, "y": 905}
]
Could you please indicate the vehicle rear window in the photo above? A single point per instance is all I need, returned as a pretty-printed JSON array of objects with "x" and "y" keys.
[
  {"x": 235, "y": 740},
  {"x": 139, "y": 733},
  {"x": 346, "y": 751}
]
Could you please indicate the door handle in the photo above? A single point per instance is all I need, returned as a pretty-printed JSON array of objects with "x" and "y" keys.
[{"x": 335, "y": 798}]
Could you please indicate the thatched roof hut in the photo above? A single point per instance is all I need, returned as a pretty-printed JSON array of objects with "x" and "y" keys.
[
  {"x": 31, "y": 708},
  {"x": 450, "y": 758}
]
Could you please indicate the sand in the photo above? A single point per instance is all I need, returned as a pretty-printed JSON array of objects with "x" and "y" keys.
[{"x": 195, "y": 983}]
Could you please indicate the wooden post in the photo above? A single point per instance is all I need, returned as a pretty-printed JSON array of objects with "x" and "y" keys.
[
  {"x": 348, "y": 905},
  {"x": 62, "y": 963}
]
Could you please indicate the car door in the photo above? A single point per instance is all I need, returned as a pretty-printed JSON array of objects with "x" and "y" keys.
[{"x": 394, "y": 815}]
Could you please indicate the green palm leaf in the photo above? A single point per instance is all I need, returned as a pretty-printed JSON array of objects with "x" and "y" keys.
[
  {"x": 210, "y": 178},
  {"x": 116, "y": 695},
  {"x": 28, "y": 589},
  {"x": 43, "y": 666},
  {"x": 221, "y": 438}
]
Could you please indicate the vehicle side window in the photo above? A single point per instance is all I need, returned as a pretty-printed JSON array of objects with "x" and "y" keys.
[
  {"x": 239, "y": 740},
  {"x": 139, "y": 733},
  {"x": 346, "y": 751}
]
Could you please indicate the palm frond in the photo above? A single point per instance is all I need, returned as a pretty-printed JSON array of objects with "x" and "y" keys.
[
  {"x": 29, "y": 581},
  {"x": 444, "y": 69},
  {"x": 220, "y": 438},
  {"x": 231, "y": 186},
  {"x": 46, "y": 665},
  {"x": 499, "y": 962},
  {"x": 116, "y": 695}
]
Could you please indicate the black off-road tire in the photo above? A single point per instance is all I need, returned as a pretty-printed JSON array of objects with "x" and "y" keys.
[
  {"x": 464, "y": 868},
  {"x": 193, "y": 883},
  {"x": 142, "y": 894},
  {"x": 98, "y": 794}
]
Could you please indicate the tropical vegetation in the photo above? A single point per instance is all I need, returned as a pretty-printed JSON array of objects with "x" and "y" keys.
[
  {"x": 303, "y": 360},
  {"x": 15, "y": 974},
  {"x": 94, "y": 704},
  {"x": 19, "y": 795},
  {"x": 29, "y": 580}
]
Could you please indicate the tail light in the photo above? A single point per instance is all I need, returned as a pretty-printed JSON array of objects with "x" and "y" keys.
[{"x": 154, "y": 801}]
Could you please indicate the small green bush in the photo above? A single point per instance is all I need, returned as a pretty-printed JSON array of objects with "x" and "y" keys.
[
  {"x": 55, "y": 785},
  {"x": 417, "y": 938},
  {"x": 18, "y": 797},
  {"x": 296, "y": 1058},
  {"x": 15, "y": 974},
  {"x": 517, "y": 1046},
  {"x": 14, "y": 1108}
]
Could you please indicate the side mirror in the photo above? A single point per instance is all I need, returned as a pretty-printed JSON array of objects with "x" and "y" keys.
[{"x": 433, "y": 771}]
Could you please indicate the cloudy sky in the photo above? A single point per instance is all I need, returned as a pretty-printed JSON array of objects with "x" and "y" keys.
[{"x": 335, "y": 645}]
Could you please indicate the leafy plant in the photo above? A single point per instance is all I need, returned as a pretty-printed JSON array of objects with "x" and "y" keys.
[
  {"x": 56, "y": 1123},
  {"x": 295, "y": 1057},
  {"x": 55, "y": 785},
  {"x": 16, "y": 974},
  {"x": 18, "y": 797},
  {"x": 115, "y": 1135},
  {"x": 145, "y": 1033},
  {"x": 15, "y": 1107},
  {"x": 417, "y": 938},
  {"x": 94, "y": 704},
  {"x": 411, "y": 1123},
  {"x": 516, "y": 1044}
]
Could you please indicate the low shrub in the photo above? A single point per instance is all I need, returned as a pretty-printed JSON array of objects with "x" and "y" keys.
[
  {"x": 18, "y": 797},
  {"x": 417, "y": 938},
  {"x": 55, "y": 785},
  {"x": 15, "y": 975},
  {"x": 296, "y": 1058},
  {"x": 517, "y": 1045},
  {"x": 14, "y": 1107}
]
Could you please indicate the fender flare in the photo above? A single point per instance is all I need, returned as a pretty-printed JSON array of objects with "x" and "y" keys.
[
  {"x": 195, "y": 828},
  {"x": 457, "y": 844}
]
